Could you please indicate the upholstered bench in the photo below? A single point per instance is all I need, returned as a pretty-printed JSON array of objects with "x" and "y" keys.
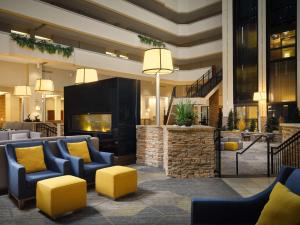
[
  {"x": 59, "y": 195},
  {"x": 116, "y": 181}
]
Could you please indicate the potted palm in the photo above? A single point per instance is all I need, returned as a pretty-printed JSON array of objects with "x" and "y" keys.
[{"x": 184, "y": 114}]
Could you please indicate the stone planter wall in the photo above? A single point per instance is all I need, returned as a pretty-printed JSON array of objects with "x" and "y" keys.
[
  {"x": 289, "y": 129},
  {"x": 184, "y": 152},
  {"x": 149, "y": 143}
]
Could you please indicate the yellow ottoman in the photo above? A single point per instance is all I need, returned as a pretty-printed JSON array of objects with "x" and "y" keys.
[
  {"x": 231, "y": 146},
  {"x": 59, "y": 195},
  {"x": 116, "y": 181}
]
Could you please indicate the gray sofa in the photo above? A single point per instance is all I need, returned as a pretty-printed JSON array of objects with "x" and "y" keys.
[
  {"x": 53, "y": 146},
  {"x": 18, "y": 135},
  {"x": 231, "y": 139}
]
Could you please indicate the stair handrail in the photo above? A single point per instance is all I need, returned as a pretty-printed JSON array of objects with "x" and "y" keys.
[
  {"x": 49, "y": 130},
  {"x": 287, "y": 145},
  {"x": 245, "y": 150}
]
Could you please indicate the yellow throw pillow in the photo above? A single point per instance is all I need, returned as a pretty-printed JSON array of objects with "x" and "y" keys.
[
  {"x": 80, "y": 149},
  {"x": 32, "y": 158},
  {"x": 283, "y": 208}
]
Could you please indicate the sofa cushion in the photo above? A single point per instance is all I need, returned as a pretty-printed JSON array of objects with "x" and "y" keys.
[
  {"x": 32, "y": 158},
  {"x": 79, "y": 149},
  {"x": 19, "y": 136},
  {"x": 33, "y": 178},
  {"x": 293, "y": 182},
  {"x": 282, "y": 208},
  {"x": 93, "y": 166}
]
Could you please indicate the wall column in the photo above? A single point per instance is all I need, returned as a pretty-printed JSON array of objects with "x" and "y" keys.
[
  {"x": 57, "y": 107},
  {"x": 35, "y": 73},
  {"x": 262, "y": 59},
  {"x": 227, "y": 57}
]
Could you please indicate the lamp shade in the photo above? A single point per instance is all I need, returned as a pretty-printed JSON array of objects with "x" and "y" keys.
[
  {"x": 84, "y": 75},
  {"x": 158, "y": 60},
  {"x": 22, "y": 91},
  {"x": 258, "y": 96},
  {"x": 44, "y": 85}
]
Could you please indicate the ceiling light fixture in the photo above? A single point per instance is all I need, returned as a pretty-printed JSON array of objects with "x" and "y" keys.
[
  {"x": 111, "y": 54},
  {"x": 123, "y": 56}
]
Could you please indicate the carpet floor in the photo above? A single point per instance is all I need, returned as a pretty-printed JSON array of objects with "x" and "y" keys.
[{"x": 160, "y": 200}]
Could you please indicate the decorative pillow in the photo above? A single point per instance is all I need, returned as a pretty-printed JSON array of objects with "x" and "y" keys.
[
  {"x": 32, "y": 158},
  {"x": 282, "y": 208},
  {"x": 79, "y": 149},
  {"x": 19, "y": 136}
]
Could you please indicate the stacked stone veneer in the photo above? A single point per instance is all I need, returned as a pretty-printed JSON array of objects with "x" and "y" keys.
[
  {"x": 184, "y": 152},
  {"x": 149, "y": 145}
]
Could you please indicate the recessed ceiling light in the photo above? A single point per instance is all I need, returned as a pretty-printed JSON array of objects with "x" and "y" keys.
[
  {"x": 176, "y": 68},
  {"x": 19, "y": 33},
  {"x": 111, "y": 54},
  {"x": 42, "y": 38},
  {"x": 123, "y": 56}
]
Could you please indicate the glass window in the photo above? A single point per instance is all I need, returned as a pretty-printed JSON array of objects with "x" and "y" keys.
[{"x": 246, "y": 113}]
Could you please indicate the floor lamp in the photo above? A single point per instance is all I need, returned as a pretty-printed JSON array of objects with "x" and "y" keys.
[
  {"x": 44, "y": 86},
  {"x": 158, "y": 61},
  {"x": 22, "y": 92}
]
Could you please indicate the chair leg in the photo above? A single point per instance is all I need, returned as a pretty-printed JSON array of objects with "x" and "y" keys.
[{"x": 20, "y": 204}]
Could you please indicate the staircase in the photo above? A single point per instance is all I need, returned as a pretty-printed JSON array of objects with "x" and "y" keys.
[
  {"x": 199, "y": 89},
  {"x": 286, "y": 154}
]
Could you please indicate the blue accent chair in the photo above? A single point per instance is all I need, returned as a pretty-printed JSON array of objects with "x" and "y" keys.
[
  {"x": 240, "y": 211},
  {"x": 83, "y": 170},
  {"x": 22, "y": 185}
]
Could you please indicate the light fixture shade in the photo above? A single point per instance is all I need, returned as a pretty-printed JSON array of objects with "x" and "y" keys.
[
  {"x": 22, "y": 91},
  {"x": 263, "y": 95},
  {"x": 44, "y": 85},
  {"x": 256, "y": 96},
  {"x": 158, "y": 60},
  {"x": 84, "y": 75}
]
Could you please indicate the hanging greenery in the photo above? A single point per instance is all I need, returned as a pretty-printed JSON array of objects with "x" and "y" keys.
[
  {"x": 42, "y": 45},
  {"x": 151, "y": 41}
]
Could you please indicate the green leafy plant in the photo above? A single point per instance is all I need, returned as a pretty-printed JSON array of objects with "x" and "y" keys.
[
  {"x": 272, "y": 124},
  {"x": 230, "y": 121},
  {"x": 252, "y": 125},
  {"x": 151, "y": 41},
  {"x": 184, "y": 114},
  {"x": 41, "y": 45}
]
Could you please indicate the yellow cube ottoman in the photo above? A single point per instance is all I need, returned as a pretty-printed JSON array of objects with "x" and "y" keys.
[
  {"x": 116, "y": 181},
  {"x": 231, "y": 146},
  {"x": 59, "y": 195}
]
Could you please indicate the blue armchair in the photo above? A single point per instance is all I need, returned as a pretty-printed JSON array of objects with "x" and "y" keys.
[
  {"x": 240, "y": 211},
  {"x": 22, "y": 185},
  {"x": 83, "y": 170}
]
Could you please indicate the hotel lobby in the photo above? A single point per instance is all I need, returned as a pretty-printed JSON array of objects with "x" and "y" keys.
[{"x": 157, "y": 112}]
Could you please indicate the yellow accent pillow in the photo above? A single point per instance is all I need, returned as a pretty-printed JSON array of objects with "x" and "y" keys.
[
  {"x": 231, "y": 146},
  {"x": 80, "y": 149},
  {"x": 282, "y": 208},
  {"x": 32, "y": 158}
]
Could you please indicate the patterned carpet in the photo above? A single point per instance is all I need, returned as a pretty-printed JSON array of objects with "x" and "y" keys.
[{"x": 159, "y": 201}]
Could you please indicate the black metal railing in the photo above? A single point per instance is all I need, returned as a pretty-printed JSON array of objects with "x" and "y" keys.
[
  {"x": 46, "y": 130},
  {"x": 245, "y": 150},
  {"x": 217, "y": 141},
  {"x": 286, "y": 154}
]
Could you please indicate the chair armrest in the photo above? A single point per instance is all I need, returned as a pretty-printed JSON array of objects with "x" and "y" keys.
[
  {"x": 103, "y": 157},
  {"x": 76, "y": 165},
  {"x": 60, "y": 165},
  {"x": 16, "y": 178},
  {"x": 241, "y": 210}
]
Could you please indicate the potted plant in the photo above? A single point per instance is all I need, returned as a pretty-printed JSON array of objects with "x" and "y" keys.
[
  {"x": 230, "y": 121},
  {"x": 252, "y": 125},
  {"x": 184, "y": 114},
  {"x": 272, "y": 124}
]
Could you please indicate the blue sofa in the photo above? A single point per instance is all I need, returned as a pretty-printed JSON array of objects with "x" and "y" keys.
[
  {"x": 22, "y": 185},
  {"x": 241, "y": 211},
  {"x": 86, "y": 171}
]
